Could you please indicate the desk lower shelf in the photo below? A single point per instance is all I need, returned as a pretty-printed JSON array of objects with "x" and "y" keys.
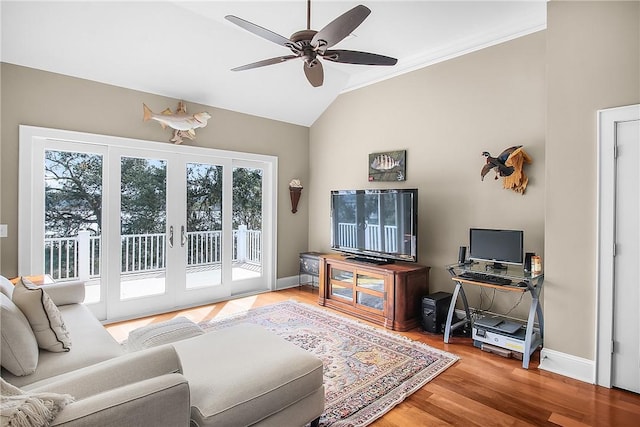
[{"x": 512, "y": 340}]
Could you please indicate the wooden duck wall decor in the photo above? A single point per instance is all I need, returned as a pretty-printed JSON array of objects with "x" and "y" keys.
[{"x": 508, "y": 165}]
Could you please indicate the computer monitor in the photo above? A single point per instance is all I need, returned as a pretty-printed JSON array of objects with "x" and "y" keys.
[{"x": 497, "y": 246}]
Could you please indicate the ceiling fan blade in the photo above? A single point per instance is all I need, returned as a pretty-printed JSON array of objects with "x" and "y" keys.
[
  {"x": 314, "y": 73},
  {"x": 340, "y": 28},
  {"x": 264, "y": 62},
  {"x": 355, "y": 57},
  {"x": 263, "y": 32}
]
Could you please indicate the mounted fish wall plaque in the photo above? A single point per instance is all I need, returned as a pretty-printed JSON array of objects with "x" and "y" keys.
[
  {"x": 510, "y": 166},
  {"x": 388, "y": 166},
  {"x": 183, "y": 125}
]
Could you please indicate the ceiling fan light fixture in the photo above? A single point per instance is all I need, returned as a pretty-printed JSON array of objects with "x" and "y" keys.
[{"x": 310, "y": 44}]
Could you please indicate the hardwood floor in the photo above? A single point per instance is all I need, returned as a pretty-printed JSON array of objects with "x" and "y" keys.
[{"x": 481, "y": 389}]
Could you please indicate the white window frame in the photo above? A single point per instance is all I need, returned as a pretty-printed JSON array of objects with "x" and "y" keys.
[{"x": 32, "y": 143}]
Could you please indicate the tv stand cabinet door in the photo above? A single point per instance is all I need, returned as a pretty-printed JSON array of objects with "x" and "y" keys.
[
  {"x": 404, "y": 287},
  {"x": 406, "y": 298}
]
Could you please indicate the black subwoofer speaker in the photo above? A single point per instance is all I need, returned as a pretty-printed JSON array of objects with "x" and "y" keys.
[{"x": 434, "y": 311}]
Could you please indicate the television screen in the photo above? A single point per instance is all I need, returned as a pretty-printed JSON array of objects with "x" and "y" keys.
[
  {"x": 499, "y": 246},
  {"x": 378, "y": 224}
]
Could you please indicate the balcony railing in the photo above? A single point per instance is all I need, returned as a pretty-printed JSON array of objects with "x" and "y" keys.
[
  {"x": 373, "y": 240},
  {"x": 79, "y": 256}
]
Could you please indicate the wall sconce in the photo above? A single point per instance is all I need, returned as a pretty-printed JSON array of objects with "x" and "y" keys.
[{"x": 295, "y": 190}]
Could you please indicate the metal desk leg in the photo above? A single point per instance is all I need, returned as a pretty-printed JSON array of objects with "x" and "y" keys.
[
  {"x": 527, "y": 339},
  {"x": 533, "y": 309},
  {"x": 452, "y": 308},
  {"x": 536, "y": 299},
  {"x": 540, "y": 318}
]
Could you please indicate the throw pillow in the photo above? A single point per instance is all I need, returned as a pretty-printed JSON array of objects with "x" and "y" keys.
[
  {"x": 43, "y": 316},
  {"x": 19, "y": 349},
  {"x": 19, "y": 408},
  {"x": 156, "y": 334}
]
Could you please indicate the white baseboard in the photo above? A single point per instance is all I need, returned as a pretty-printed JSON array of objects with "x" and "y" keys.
[
  {"x": 286, "y": 282},
  {"x": 567, "y": 365}
]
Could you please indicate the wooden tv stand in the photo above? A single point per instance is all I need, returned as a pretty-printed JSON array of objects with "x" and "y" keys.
[{"x": 389, "y": 295}]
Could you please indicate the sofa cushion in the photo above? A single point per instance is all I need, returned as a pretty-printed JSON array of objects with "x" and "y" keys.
[
  {"x": 19, "y": 349},
  {"x": 43, "y": 316},
  {"x": 63, "y": 293},
  {"x": 91, "y": 344},
  {"x": 244, "y": 374},
  {"x": 6, "y": 287}
]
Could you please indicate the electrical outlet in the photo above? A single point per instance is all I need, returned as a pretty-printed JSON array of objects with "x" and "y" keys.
[{"x": 3, "y": 230}]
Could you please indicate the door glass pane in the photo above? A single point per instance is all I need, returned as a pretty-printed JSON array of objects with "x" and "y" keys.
[
  {"x": 342, "y": 292},
  {"x": 73, "y": 218},
  {"x": 203, "y": 240},
  {"x": 371, "y": 301},
  {"x": 247, "y": 223},
  {"x": 143, "y": 225},
  {"x": 341, "y": 283},
  {"x": 342, "y": 275},
  {"x": 370, "y": 282}
]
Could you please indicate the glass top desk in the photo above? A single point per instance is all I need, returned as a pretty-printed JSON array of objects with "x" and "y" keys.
[{"x": 521, "y": 282}]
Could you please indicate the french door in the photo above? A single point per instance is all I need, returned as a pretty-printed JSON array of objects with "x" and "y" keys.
[{"x": 167, "y": 226}]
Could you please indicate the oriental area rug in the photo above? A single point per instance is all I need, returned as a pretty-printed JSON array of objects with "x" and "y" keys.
[{"x": 367, "y": 370}]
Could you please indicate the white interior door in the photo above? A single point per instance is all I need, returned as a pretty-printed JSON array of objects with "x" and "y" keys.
[
  {"x": 618, "y": 322},
  {"x": 626, "y": 321}
]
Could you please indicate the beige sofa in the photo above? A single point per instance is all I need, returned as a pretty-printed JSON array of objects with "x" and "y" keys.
[{"x": 240, "y": 376}]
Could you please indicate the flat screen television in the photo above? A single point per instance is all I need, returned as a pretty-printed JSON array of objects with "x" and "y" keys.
[
  {"x": 378, "y": 226},
  {"x": 497, "y": 246}
]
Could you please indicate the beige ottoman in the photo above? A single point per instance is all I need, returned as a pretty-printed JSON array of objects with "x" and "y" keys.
[{"x": 246, "y": 375}]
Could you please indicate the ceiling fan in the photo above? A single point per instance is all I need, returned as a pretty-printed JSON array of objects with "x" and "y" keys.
[{"x": 310, "y": 45}]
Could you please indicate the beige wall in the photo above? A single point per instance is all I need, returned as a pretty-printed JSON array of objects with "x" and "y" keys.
[
  {"x": 38, "y": 98},
  {"x": 587, "y": 59},
  {"x": 593, "y": 62},
  {"x": 445, "y": 116}
]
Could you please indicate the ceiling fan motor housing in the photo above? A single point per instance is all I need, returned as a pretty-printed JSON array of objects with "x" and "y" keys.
[{"x": 303, "y": 39}]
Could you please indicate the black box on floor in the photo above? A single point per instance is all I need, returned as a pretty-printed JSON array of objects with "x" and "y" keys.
[{"x": 434, "y": 311}]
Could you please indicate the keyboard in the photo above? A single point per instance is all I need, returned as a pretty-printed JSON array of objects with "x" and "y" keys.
[{"x": 485, "y": 278}]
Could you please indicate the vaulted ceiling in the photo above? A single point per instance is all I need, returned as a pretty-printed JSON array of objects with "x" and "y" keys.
[{"x": 186, "y": 50}]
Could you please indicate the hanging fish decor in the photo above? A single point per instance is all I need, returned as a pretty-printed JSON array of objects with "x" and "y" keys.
[
  {"x": 387, "y": 166},
  {"x": 183, "y": 125}
]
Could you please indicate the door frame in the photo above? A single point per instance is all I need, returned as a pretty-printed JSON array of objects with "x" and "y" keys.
[
  {"x": 32, "y": 137},
  {"x": 606, "y": 203}
]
